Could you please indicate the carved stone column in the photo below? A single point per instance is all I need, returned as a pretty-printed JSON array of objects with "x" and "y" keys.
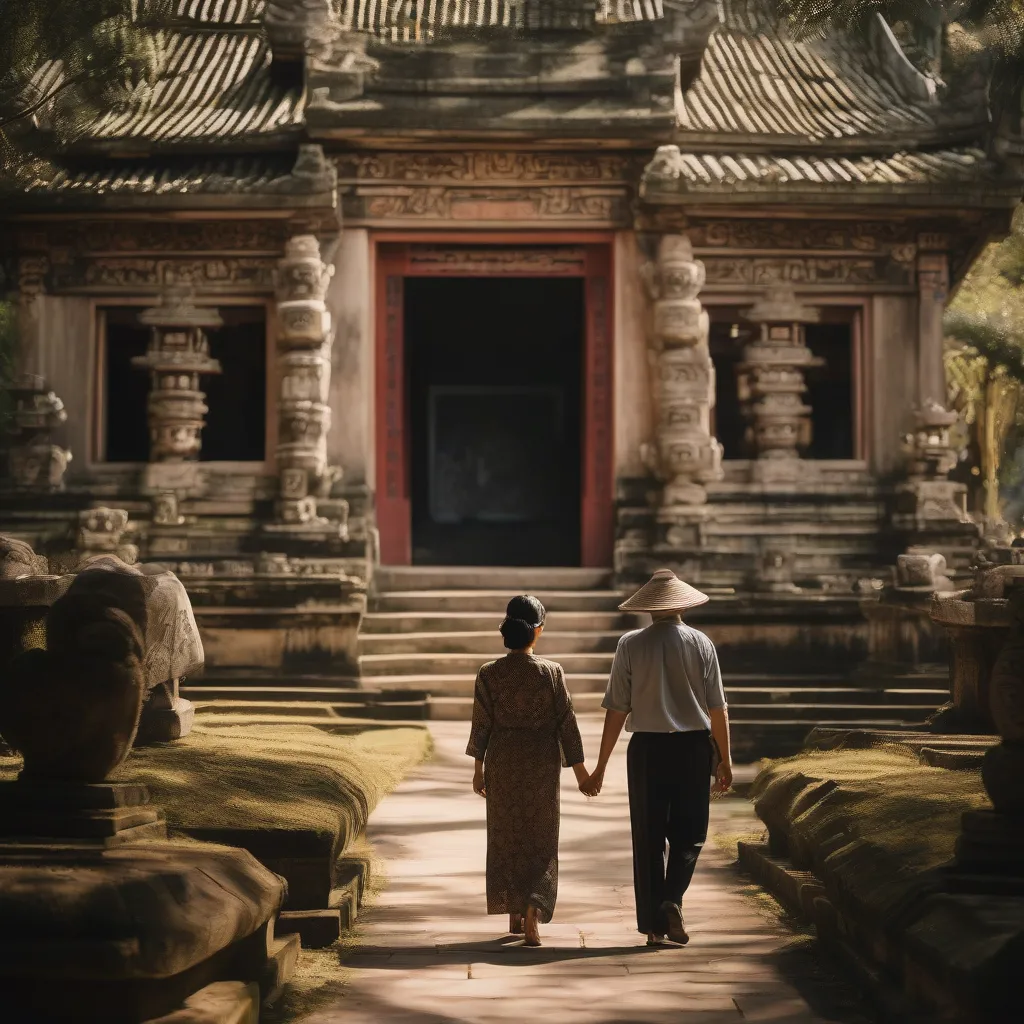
[
  {"x": 304, "y": 417},
  {"x": 177, "y": 357},
  {"x": 34, "y": 462},
  {"x": 687, "y": 455},
  {"x": 772, "y": 385}
]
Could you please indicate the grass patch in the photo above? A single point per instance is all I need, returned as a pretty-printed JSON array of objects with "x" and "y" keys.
[
  {"x": 880, "y": 834},
  {"x": 287, "y": 777}
]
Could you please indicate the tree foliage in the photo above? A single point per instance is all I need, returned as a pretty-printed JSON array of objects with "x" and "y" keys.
[
  {"x": 985, "y": 372},
  {"x": 63, "y": 61}
]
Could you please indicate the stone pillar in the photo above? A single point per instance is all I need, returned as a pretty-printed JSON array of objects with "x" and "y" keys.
[
  {"x": 34, "y": 462},
  {"x": 932, "y": 292},
  {"x": 178, "y": 355},
  {"x": 687, "y": 456},
  {"x": 304, "y": 417},
  {"x": 32, "y": 271},
  {"x": 772, "y": 386}
]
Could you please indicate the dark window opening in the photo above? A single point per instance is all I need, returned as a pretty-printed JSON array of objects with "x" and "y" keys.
[
  {"x": 495, "y": 369},
  {"x": 235, "y": 429},
  {"x": 830, "y": 390},
  {"x": 830, "y": 387}
]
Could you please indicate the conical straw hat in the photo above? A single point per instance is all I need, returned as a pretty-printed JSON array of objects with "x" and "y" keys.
[{"x": 664, "y": 592}]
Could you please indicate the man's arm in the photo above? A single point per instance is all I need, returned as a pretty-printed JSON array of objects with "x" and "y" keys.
[
  {"x": 720, "y": 732},
  {"x": 617, "y": 701},
  {"x": 613, "y": 723}
]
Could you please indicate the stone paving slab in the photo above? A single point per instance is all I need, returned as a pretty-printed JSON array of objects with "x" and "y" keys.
[{"x": 428, "y": 954}]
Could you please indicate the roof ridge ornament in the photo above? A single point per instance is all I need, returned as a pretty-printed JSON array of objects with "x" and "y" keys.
[{"x": 294, "y": 25}]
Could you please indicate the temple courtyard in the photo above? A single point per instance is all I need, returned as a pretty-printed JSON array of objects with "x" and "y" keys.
[{"x": 426, "y": 953}]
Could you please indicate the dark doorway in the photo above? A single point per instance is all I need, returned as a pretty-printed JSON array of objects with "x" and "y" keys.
[
  {"x": 235, "y": 427},
  {"x": 495, "y": 369},
  {"x": 830, "y": 389}
]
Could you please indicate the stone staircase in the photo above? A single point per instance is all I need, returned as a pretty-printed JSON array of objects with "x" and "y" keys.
[{"x": 429, "y": 629}]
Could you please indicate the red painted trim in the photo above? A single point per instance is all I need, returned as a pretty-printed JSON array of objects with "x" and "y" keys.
[
  {"x": 597, "y": 511},
  {"x": 394, "y": 511}
]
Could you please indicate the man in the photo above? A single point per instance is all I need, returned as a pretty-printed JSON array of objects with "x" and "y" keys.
[{"x": 666, "y": 689}]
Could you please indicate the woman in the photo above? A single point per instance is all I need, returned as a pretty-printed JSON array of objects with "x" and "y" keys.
[{"x": 524, "y": 731}]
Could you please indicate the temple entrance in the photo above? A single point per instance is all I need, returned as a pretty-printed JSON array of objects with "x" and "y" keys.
[
  {"x": 494, "y": 405},
  {"x": 494, "y": 371}
]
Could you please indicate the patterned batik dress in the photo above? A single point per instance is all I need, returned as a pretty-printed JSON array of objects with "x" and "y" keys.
[{"x": 525, "y": 731}]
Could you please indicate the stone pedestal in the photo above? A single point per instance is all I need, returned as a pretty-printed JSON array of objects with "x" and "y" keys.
[
  {"x": 178, "y": 356},
  {"x": 34, "y": 462},
  {"x": 165, "y": 716},
  {"x": 992, "y": 842},
  {"x": 772, "y": 387},
  {"x": 102, "y": 926}
]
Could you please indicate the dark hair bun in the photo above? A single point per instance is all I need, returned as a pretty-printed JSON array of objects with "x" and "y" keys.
[{"x": 522, "y": 616}]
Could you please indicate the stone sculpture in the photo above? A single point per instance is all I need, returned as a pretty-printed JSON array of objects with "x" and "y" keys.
[
  {"x": 687, "y": 455},
  {"x": 18, "y": 559},
  {"x": 773, "y": 385},
  {"x": 72, "y": 710},
  {"x": 34, "y": 462},
  {"x": 304, "y": 353},
  {"x": 177, "y": 358}
]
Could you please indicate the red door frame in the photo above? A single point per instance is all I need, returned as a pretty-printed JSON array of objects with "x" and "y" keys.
[{"x": 393, "y": 263}]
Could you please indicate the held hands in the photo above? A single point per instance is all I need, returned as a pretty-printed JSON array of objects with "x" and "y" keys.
[{"x": 591, "y": 786}]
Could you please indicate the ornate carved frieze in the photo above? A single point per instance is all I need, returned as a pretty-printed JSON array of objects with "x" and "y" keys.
[
  {"x": 460, "y": 168},
  {"x": 772, "y": 385},
  {"x": 249, "y": 275},
  {"x": 546, "y": 204},
  {"x": 813, "y": 270},
  {"x": 178, "y": 355},
  {"x": 546, "y": 262},
  {"x": 304, "y": 357},
  {"x": 96, "y": 236},
  {"x": 687, "y": 456}
]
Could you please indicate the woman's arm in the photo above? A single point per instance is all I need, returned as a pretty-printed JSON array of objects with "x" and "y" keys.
[
  {"x": 478, "y": 778},
  {"x": 480, "y": 733}
]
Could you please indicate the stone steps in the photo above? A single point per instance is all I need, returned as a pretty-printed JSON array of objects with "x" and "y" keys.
[
  {"x": 483, "y": 621},
  {"x": 493, "y": 601},
  {"x": 483, "y": 644}
]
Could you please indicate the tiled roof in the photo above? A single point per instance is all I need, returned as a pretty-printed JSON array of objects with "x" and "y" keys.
[
  {"x": 208, "y": 176},
  {"x": 220, "y": 12},
  {"x": 304, "y": 179},
  {"x": 756, "y": 80},
  {"x": 675, "y": 175},
  {"x": 422, "y": 20},
  {"x": 217, "y": 85}
]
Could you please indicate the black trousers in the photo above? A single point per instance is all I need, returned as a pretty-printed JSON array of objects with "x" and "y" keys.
[{"x": 669, "y": 796}]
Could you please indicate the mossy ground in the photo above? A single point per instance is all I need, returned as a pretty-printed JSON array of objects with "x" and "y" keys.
[{"x": 270, "y": 776}]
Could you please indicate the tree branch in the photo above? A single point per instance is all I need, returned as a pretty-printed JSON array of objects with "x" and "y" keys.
[{"x": 51, "y": 95}]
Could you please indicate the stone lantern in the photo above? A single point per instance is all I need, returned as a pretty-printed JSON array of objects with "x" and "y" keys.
[
  {"x": 773, "y": 385},
  {"x": 178, "y": 356},
  {"x": 34, "y": 462}
]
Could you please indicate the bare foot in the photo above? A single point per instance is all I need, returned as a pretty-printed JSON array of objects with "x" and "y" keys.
[
  {"x": 515, "y": 924},
  {"x": 654, "y": 939},
  {"x": 532, "y": 927}
]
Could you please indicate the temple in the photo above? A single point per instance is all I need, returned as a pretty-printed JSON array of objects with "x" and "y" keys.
[{"x": 591, "y": 285}]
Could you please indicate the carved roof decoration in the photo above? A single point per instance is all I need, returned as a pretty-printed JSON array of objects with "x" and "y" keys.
[
  {"x": 940, "y": 176},
  {"x": 756, "y": 81}
]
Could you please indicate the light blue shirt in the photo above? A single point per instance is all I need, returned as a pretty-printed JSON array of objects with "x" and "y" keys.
[{"x": 666, "y": 677}]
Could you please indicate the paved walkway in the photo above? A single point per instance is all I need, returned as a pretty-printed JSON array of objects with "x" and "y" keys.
[{"x": 430, "y": 955}]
